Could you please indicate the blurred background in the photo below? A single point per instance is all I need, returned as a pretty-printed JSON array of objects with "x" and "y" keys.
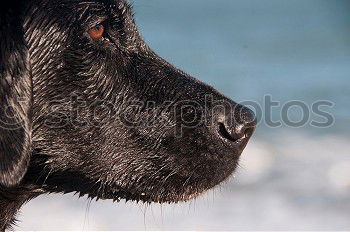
[{"x": 290, "y": 178}]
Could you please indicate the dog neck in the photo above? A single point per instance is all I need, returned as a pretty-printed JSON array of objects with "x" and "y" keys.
[{"x": 11, "y": 200}]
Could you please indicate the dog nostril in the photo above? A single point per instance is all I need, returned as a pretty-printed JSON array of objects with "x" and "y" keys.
[
  {"x": 227, "y": 135},
  {"x": 236, "y": 127},
  {"x": 249, "y": 131},
  {"x": 237, "y": 133}
]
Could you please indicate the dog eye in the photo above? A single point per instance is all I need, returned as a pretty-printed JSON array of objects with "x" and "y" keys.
[{"x": 96, "y": 33}]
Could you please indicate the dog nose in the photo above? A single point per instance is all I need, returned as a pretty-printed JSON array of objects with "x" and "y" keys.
[{"x": 237, "y": 126}]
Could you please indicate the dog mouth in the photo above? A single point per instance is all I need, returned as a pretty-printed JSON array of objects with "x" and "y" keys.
[{"x": 213, "y": 170}]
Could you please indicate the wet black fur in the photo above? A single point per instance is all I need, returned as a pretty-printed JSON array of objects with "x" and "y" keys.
[{"x": 49, "y": 65}]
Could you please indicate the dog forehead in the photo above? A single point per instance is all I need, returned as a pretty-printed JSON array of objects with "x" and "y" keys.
[
  {"x": 68, "y": 12},
  {"x": 119, "y": 4},
  {"x": 121, "y": 8}
]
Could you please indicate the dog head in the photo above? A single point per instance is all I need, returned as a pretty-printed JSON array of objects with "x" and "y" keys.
[{"x": 88, "y": 107}]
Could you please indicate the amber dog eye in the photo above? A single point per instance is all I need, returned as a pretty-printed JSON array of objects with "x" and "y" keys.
[{"x": 96, "y": 33}]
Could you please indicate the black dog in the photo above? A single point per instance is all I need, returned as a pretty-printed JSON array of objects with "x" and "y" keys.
[{"x": 86, "y": 106}]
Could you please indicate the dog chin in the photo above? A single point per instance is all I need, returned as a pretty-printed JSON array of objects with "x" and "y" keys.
[
  {"x": 169, "y": 194},
  {"x": 118, "y": 196}
]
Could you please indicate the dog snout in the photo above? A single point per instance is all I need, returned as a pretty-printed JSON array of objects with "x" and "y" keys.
[{"x": 236, "y": 126}]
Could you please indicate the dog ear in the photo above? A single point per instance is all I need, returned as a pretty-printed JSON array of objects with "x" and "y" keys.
[{"x": 15, "y": 97}]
